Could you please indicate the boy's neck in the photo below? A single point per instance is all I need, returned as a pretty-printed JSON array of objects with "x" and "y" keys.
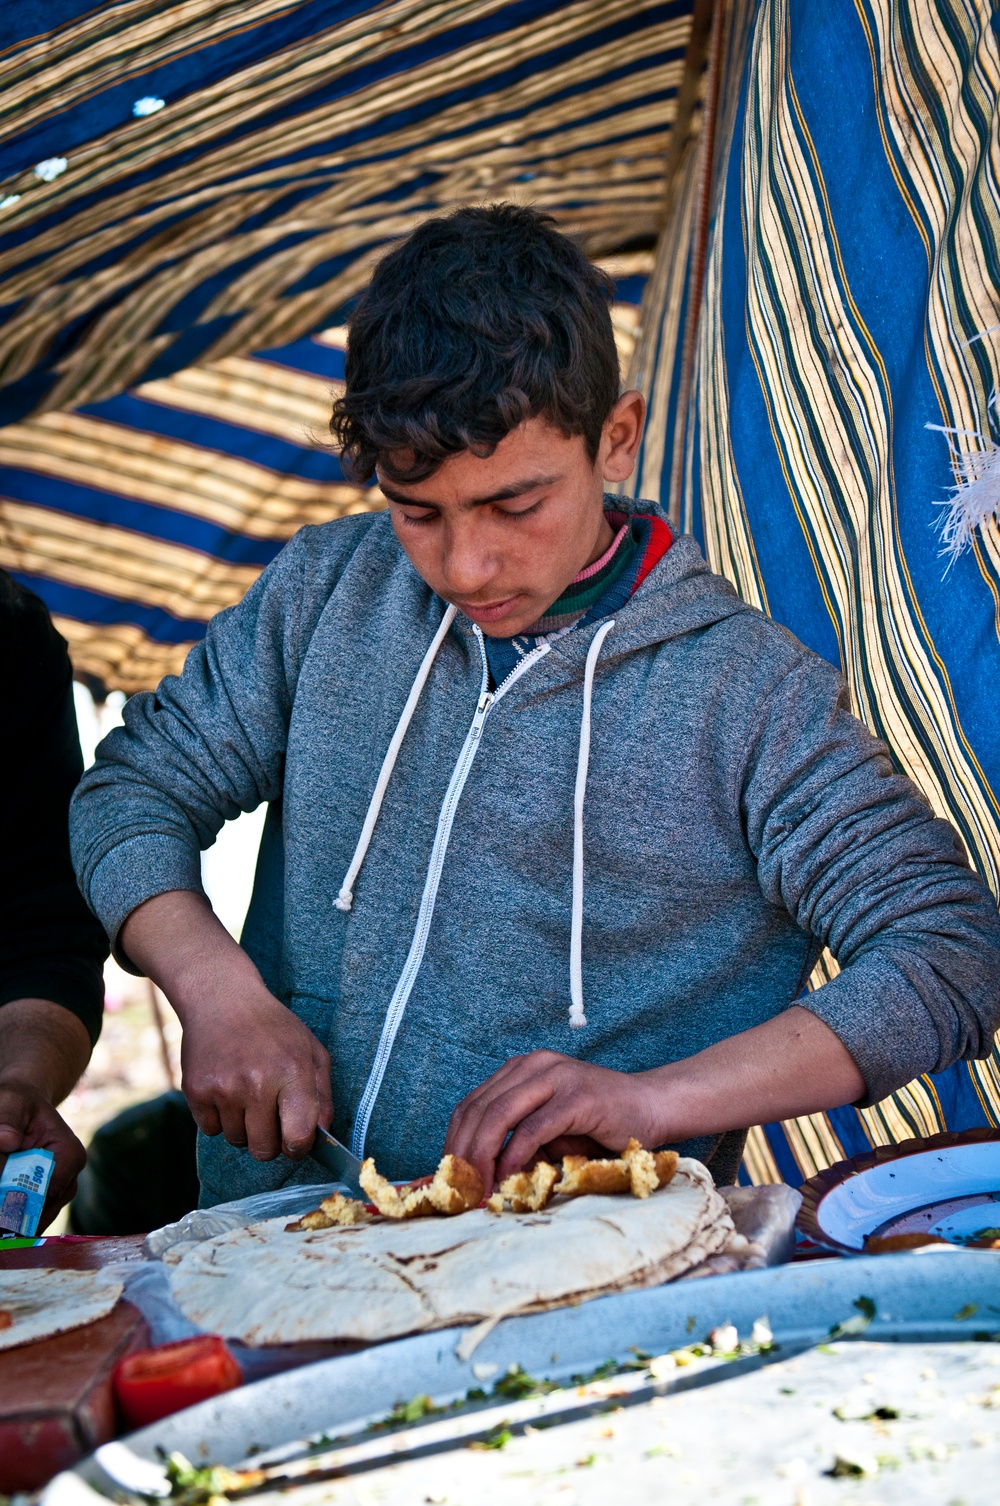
[{"x": 604, "y": 540}]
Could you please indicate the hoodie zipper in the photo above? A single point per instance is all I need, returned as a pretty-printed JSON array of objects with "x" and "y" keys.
[{"x": 425, "y": 915}]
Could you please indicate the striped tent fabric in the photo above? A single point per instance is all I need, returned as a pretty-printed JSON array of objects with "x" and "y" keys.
[
  {"x": 185, "y": 182},
  {"x": 191, "y": 193},
  {"x": 842, "y": 309},
  {"x": 139, "y": 517}
]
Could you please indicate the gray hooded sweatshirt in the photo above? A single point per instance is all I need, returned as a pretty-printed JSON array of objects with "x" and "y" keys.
[{"x": 654, "y": 824}]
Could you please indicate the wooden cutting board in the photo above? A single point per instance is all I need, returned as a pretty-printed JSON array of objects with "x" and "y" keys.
[{"x": 56, "y": 1402}]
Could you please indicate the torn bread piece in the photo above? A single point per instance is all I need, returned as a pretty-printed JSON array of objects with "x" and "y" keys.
[
  {"x": 336, "y": 1212},
  {"x": 581, "y": 1175},
  {"x": 636, "y": 1170},
  {"x": 648, "y": 1169},
  {"x": 454, "y": 1188},
  {"x": 525, "y": 1191}
]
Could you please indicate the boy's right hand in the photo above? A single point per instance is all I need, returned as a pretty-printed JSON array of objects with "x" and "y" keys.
[
  {"x": 254, "y": 1073},
  {"x": 251, "y": 1070}
]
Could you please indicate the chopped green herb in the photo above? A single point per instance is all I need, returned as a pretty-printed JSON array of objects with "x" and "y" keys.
[
  {"x": 968, "y": 1311},
  {"x": 197, "y": 1484},
  {"x": 602, "y": 1372},
  {"x": 497, "y": 1439},
  {"x": 880, "y": 1414},
  {"x": 866, "y": 1312},
  {"x": 410, "y": 1411},
  {"x": 586, "y": 1461},
  {"x": 517, "y": 1384},
  {"x": 849, "y": 1469}
]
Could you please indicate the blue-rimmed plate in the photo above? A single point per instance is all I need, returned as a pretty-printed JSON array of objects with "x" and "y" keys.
[{"x": 947, "y": 1186}]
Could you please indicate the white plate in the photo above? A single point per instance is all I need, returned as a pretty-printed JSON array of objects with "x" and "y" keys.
[{"x": 948, "y": 1185}]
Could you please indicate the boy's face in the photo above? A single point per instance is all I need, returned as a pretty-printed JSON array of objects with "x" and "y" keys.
[{"x": 502, "y": 536}]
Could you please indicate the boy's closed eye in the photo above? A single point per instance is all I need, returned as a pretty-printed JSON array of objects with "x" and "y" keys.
[{"x": 431, "y": 515}]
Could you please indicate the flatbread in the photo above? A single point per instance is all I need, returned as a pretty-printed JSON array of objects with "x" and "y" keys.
[
  {"x": 262, "y": 1285},
  {"x": 43, "y": 1303}
]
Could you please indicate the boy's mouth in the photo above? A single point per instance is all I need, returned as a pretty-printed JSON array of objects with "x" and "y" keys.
[{"x": 489, "y": 611}]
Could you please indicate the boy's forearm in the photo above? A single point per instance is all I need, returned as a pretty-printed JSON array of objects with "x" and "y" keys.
[
  {"x": 42, "y": 1046},
  {"x": 251, "y": 1069},
  {"x": 177, "y": 940},
  {"x": 793, "y": 1064}
]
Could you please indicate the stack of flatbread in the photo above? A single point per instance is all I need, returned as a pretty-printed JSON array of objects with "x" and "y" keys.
[
  {"x": 379, "y": 1279},
  {"x": 37, "y": 1304}
]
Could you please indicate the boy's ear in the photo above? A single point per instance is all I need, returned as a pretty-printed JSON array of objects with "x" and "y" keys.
[{"x": 622, "y": 435}]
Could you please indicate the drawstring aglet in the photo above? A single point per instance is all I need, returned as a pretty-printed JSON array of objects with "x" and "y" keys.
[
  {"x": 344, "y": 900},
  {"x": 577, "y": 1018}
]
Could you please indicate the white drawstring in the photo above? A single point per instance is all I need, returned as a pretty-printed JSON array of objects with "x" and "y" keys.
[
  {"x": 577, "y": 1018},
  {"x": 345, "y": 898}
]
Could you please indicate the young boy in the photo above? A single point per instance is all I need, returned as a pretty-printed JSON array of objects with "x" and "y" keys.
[{"x": 557, "y": 824}]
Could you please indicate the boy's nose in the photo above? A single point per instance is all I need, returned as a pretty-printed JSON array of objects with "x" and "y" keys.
[{"x": 466, "y": 569}]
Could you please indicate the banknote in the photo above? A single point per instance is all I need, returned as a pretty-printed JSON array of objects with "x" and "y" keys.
[{"x": 24, "y": 1181}]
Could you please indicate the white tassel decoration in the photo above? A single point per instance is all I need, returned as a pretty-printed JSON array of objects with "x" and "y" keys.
[{"x": 975, "y": 497}]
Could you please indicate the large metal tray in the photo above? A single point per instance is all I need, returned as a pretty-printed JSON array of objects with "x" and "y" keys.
[{"x": 936, "y": 1296}]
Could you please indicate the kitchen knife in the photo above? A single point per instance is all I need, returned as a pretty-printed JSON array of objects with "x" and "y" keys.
[{"x": 336, "y": 1158}]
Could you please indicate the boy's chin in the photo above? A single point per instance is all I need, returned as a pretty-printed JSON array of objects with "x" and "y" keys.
[{"x": 508, "y": 628}]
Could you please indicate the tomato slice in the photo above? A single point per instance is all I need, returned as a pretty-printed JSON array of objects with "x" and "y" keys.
[{"x": 153, "y": 1383}]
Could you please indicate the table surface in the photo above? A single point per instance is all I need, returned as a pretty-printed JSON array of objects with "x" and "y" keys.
[{"x": 73, "y": 1252}]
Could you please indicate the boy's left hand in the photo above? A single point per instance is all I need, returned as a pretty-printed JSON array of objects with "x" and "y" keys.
[
  {"x": 789, "y": 1065},
  {"x": 554, "y": 1104}
]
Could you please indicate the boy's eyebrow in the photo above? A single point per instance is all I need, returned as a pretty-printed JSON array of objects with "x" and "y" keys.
[{"x": 504, "y": 494}]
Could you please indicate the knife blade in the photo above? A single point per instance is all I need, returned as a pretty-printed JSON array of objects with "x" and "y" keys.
[{"x": 334, "y": 1157}]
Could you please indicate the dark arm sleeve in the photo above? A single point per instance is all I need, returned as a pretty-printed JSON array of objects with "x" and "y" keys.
[{"x": 51, "y": 947}]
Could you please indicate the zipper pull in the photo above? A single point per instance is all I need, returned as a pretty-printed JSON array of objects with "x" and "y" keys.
[{"x": 482, "y": 710}]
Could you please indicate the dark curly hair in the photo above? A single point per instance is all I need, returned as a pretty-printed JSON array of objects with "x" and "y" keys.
[{"x": 480, "y": 320}]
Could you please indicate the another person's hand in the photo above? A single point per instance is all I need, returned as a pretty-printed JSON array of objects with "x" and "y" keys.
[
  {"x": 254, "y": 1073},
  {"x": 251, "y": 1070},
  {"x": 551, "y": 1104},
  {"x": 29, "y": 1122},
  {"x": 44, "y": 1049}
]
